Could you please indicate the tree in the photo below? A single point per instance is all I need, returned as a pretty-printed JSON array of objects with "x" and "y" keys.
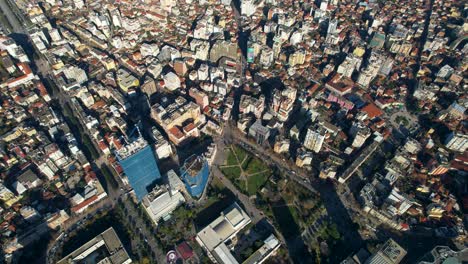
[{"x": 333, "y": 232}]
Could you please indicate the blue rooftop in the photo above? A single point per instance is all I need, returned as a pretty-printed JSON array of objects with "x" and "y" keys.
[{"x": 141, "y": 170}]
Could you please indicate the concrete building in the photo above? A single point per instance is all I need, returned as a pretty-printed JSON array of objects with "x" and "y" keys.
[
  {"x": 314, "y": 139},
  {"x": 126, "y": 80},
  {"x": 259, "y": 132},
  {"x": 223, "y": 48},
  {"x": 161, "y": 202},
  {"x": 161, "y": 145},
  {"x": 223, "y": 230},
  {"x": 171, "y": 81},
  {"x": 248, "y": 7},
  {"x": 104, "y": 248},
  {"x": 457, "y": 142},
  {"x": 390, "y": 253},
  {"x": 149, "y": 86}
]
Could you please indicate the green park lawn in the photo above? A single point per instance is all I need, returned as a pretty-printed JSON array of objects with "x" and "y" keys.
[{"x": 245, "y": 171}]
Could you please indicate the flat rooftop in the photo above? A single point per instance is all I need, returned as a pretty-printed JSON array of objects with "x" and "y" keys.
[{"x": 104, "y": 248}]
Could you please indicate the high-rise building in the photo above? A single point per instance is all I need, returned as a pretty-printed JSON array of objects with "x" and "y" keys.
[
  {"x": 314, "y": 139},
  {"x": 390, "y": 253},
  {"x": 277, "y": 43},
  {"x": 139, "y": 165},
  {"x": 195, "y": 173}
]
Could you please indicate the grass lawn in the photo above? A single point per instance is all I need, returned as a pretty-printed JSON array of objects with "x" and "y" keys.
[
  {"x": 241, "y": 154},
  {"x": 255, "y": 165},
  {"x": 231, "y": 158},
  {"x": 254, "y": 182},
  {"x": 232, "y": 173}
]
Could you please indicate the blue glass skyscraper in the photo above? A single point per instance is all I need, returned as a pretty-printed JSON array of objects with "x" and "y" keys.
[
  {"x": 195, "y": 173},
  {"x": 139, "y": 164}
]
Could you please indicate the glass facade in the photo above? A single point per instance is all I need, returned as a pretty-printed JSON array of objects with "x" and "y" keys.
[
  {"x": 195, "y": 173},
  {"x": 141, "y": 170}
]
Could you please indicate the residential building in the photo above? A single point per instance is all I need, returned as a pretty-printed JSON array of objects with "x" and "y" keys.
[
  {"x": 314, "y": 139},
  {"x": 457, "y": 142}
]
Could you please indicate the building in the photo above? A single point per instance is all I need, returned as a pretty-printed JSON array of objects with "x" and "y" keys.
[
  {"x": 161, "y": 202},
  {"x": 200, "y": 97},
  {"x": 161, "y": 145},
  {"x": 104, "y": 248},
  {"x": 282, "y": 146},
  {"x": 361, "y": 136},
  {"x": 457, "y": 142},
  {"x": 7, "y": 196},
  {"x": 259, "y": 132},
  {"x": 195, "y": 173},
  {"x": 314, "y": 139},
  {"x": 223, "y": 48},
  {"x": 444, "y": 254},
  {"x": 171, "y": 81},
  {"x": 55, "y": 220},
  {"x": 223, "y": 230},
  {"x": 340, "y": 84},
  {"x": 303, "y": 158},
  {"x": 297, "y": 58},
  {"x": 270, "y": 246},
  {"x": 172, "y": 116},
  {"x": 149, "y": 86},
  {"x": 139, "y": 164},
  {"x": 126, "y": 80},
  {"x": 390, "y": 253},
  {"x": 250, "y": 104},
  {"x": 248, "y": 7}
]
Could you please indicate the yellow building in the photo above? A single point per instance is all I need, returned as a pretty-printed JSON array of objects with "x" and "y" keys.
[
  {"x": 109, "y": 64},
  {"x": 126, "y": 80},
  {"x": 7, "y": 196},
  {"x": 359, "y": 51}
]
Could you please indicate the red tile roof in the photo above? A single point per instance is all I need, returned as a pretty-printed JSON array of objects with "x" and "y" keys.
[{"x": 372, "y": 110}]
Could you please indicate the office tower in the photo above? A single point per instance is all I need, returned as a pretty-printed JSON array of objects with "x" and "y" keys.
[
  {"x": 195, "y": 173},
  {"x": 139, "y": 165}
]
